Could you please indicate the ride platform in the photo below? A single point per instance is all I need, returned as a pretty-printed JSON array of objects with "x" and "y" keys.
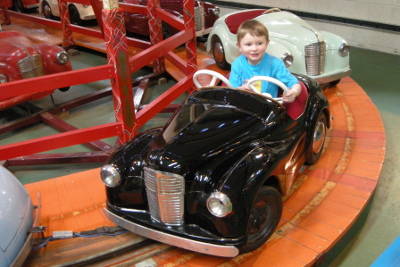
[{"x": 325, "y": 202}]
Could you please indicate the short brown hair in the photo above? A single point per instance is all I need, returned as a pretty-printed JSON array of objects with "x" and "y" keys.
[{"x": 254, "y": 27}]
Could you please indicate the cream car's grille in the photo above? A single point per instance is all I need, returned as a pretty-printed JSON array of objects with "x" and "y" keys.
[
  {"x": 199, "y": 17},
  {"x": 165, "y": 194},
  {"x": 31, "y": 66},
  {"x": 315, "y": 58}
]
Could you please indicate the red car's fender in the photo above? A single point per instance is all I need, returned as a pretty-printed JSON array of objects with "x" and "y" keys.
[
  {"x": 50, "y": 63},
  {"x": 11, "y": 73}
]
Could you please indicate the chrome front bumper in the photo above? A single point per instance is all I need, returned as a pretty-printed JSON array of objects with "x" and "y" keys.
[
  {"x": 201, "y": 247},
  {"x": 330, "y": 78}
]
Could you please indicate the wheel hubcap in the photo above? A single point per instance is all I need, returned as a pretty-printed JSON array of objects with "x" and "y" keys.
[
  {"x": 218, "y": 52},
  {"x": 319, "y": 137}
]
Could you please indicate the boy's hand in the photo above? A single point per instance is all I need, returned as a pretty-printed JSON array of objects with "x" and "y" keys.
[{"x": 290, "y": 96}]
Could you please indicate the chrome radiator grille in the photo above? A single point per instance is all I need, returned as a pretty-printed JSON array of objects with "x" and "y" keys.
[
  {"x": 199, "y": 17},
  {"x": 165, "y": 194},
  {"x": 315, "y": 58},
  {"x": 31, "y": 66}
]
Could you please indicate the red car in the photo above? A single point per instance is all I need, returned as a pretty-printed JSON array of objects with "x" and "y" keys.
[
  {"x": 205, "y": 16},
  {"x": 22, "y": 5},
  {"x": 22, "y": 59}
]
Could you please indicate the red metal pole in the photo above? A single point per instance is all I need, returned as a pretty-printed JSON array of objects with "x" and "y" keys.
[
  {"x": 191, "y": 52},
  {"x": 68, "y": 41},
  {"x": 156, "y": 34},
  {"x": 4, "y": 9},
  {"x": 117, "y": 53}
]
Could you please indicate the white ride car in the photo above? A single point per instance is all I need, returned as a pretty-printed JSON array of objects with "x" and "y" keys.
[
  {"x": 77, "y": 12},
  {"x": 305, "y": 50}
]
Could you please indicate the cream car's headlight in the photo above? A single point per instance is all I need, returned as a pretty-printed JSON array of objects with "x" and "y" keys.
[
  {"x": 62, "y": 57},
  {"x": 219, "y": 204},
  {"x": 287, "y": 59},
  {"x": 110, "y": 175},
  {"x": 344, "y": 50}
]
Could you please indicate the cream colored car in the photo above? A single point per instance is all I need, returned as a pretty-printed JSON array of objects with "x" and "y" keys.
[
  {"x": 321, "y": 55},
  {"x": 77, "y": 12}
]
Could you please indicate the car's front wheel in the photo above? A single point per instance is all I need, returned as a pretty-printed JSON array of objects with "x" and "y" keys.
[
  {"x": 219, "y": 54},
  {"x": 74, "y": 15},
  {"x": 264, "y": 217},
  {"x": 47, "y": 11},
  {"x": 318, "y": 140}
]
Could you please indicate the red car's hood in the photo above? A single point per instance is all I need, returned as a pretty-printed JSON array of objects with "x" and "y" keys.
[{"x": 15, "y": 45}]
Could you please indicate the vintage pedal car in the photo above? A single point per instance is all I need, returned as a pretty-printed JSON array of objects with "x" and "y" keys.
[
  {"x": 18, "y": 215},
  {"x": 78, "y": 13},
  {"x": 22, "y": 6},
  {"x": 20, "y": 59},
  {"x": 212, "y": 179},
  {"x": 320, "y": 55}
]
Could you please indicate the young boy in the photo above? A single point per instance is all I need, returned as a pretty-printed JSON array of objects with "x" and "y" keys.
[{"x": 253, "y": 40}]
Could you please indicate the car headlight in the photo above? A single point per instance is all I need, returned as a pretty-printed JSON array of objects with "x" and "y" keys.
[
  {"x": 215, "y": 11},
  {"x": 344, "y": 50},
  {"x": 219, "y": 204},
  {"x": 62, "y": 57},
  {"x": 110, "y": 175},
  {"x": 287, "y": 59},
  {"x": 3, "y": 78}
]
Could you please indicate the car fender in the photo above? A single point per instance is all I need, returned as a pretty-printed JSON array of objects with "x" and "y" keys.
[
  {"x": 11, "y": 73},
  {"x": 129, "y": 160},
  {"x": 53, "y": 6},
  {"x": 84, "y": 10},
  {"x": 279, "y": 47},
  {"x": 50, "y": 64},
  {"x": 221, "y": 31},
  {"x": 240, "y": 183},
  {"x": 338, "y": 63}
]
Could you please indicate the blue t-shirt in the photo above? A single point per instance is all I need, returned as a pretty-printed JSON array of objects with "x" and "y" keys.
[{"x": 242, "y": 71}]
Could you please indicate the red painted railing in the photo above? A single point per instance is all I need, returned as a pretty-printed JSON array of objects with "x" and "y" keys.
[{"x": 118, "y": 70}]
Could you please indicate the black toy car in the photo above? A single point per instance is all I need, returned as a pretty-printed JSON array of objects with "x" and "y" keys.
[{"x": 212, "y": 179}]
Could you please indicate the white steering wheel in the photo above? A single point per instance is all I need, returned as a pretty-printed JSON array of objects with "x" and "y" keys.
[
  {"x": 267, "y": 79},
  {"x": 215, "y": 76}
]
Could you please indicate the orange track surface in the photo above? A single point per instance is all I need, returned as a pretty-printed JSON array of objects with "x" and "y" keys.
[{"x": 327, "y": 199}]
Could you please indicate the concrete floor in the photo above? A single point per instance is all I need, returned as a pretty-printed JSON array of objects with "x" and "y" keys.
[
  {"x": 377, "y": 73},
  {"x": 378, "y": 226}
]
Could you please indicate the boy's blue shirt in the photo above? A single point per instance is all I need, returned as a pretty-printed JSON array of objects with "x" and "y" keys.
[{"x": 241, "y": 71}]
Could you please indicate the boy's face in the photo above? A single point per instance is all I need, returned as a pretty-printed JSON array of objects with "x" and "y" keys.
[{"x": 253, "y": 48}]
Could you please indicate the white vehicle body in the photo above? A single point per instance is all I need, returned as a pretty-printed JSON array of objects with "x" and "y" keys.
[
  {"x": 321, "y": 55},
  {"x": 85, "y": 11}
]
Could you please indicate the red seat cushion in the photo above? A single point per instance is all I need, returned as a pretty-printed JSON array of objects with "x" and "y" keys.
[
  {"x": 233, "y": 21},
  {"x": 296, "y": 108}
]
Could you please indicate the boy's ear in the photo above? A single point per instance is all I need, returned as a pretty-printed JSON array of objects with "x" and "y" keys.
[{"x": 240, "y": 49}]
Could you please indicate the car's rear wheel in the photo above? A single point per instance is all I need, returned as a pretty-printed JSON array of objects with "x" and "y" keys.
[
  {"x": 334, "y": 83},
  {"x": 74, "y": 15},
  {"x": 47, "y": 11},
  {"x": 264, "y": 217},
  {"x": 318, "y": 140},
  {"x": 64, "y": 89},
  {"x": 219, "y": 54}
]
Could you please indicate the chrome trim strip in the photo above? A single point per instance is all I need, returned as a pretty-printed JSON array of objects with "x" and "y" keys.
[{"x": 201, "y": 247}]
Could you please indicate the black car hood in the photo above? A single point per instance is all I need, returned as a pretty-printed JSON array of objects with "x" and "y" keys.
[{"x": 211, "y": 122}]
